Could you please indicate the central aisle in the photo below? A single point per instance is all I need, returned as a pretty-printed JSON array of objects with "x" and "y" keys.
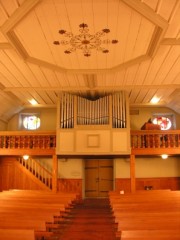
[{"x": 91, "y": 220}]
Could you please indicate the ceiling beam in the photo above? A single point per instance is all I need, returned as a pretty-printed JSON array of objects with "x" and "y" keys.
[
  {"x": 106, "y": 88},
  {"x": 170, "y": 41},
  {"x": 20, "y": 13}
]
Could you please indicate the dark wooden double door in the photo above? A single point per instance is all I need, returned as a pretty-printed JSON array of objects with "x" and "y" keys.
[{"x": 98, "y": 177}]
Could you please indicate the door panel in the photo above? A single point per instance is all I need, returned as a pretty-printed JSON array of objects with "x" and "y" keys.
[
  {"x": 105, "y": 177},
  {"x": 98, "y": 177}
]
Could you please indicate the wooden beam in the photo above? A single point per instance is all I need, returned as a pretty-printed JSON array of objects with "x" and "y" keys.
[
  {"x": 132, "y": 173},
  {"x": 156, "y": 151},
  {"x": 54, "y": 173},
  {"x": 22, "y": 151}
]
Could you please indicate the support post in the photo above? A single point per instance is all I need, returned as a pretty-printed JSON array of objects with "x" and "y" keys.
[
  {"x": 54, "y": 173},
  {"x": 132, "y": 173}
]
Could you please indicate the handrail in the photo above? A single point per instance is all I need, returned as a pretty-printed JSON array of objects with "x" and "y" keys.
[
  {"x": 160, "y": 139},
  {"x": 27, "y": 140},
  {"x": 38, "y": 171}
]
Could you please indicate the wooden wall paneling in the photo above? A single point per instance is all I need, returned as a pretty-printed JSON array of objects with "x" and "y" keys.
[
  {"x": 172, "y": 183},
  {"x": 13, "y": 176},
  {"x": 6, "y": 173},
  {"x": 123, "y": 184},
  {"x": 175, "y": 183}
]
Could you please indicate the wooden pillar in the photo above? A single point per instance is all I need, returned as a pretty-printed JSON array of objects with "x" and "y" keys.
[
  {"x": 54, "y": 173},
  {"x": 132, "y": 173}
]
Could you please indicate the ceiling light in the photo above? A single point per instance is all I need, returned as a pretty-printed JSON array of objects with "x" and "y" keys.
[
  {"x": 164, "y": 156},
  {"x": 33, "y": 102},
  {"x": 155, "y": 100},
  {"x": 85, "y": 41}
]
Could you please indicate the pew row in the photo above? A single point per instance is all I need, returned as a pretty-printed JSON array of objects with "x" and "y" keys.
[
  {"x": 156, "y": 213},
  {"x": 16, "y": 234},
  {"x": 150, "y": 234},
  {"x": 34, "y": 211}
]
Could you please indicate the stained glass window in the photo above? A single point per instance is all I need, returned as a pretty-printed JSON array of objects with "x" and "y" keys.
[
  {"x": 164, "y": 122},
  {"x": 31, "y": 122}
]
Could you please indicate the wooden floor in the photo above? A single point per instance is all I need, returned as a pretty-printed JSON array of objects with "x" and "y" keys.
[{"x": 90, "y": 220}]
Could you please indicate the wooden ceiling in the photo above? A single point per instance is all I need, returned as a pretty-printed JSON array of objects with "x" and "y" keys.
[{"x": 145, "y": 61}]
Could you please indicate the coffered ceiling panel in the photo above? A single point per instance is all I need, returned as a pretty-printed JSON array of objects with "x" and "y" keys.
[{"x": 90, "y": 48}]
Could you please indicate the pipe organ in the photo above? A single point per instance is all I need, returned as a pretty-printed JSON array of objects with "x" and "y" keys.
[
  {"x": 66, "y": 111},
  {"x": 93, "y": 112},
  {"x": 99, "y": 126}
]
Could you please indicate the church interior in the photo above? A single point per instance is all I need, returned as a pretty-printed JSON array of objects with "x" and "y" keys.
[{"x": 90, "y": 119}]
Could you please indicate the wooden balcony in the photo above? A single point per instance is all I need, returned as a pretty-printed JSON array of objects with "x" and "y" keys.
[
  {"x": 152, "y": 142},
  {"x": 143, "y": 142},
  {"x": 26, "y": 142}
]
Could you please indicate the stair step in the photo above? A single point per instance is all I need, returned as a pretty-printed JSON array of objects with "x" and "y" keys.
[{"x": 91, "y": 220}]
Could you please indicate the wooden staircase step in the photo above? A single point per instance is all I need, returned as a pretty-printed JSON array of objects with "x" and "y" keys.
[{"x": 90, "y": 220}]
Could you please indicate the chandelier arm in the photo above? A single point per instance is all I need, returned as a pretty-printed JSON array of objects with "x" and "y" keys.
[{"x": 85, "y": 41}]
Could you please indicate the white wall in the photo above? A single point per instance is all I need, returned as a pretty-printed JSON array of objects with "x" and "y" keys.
[
  {"x": 158, "y": 167},
  {"x": 70, "y": 168},
  {"x": 145, "y": 113},
  {"x": 47, "y": 116},
  {"x": 121, "y": 168},
  {"x": 149, "y": 167},
  {"x": 67, "y": 167},
  {"x": 45, "y": 162},
  {"x": 3, "y": 126}
]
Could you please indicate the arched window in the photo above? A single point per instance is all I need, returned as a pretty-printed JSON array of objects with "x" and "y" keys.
[
  {"x": 164, "y": 122},
  {"x": 31, "y": 122}
]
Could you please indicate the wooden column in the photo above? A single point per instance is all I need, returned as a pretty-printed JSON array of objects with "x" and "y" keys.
[
  {"x": 54, "y": 173},
  {"x": 132, "y": 173}
]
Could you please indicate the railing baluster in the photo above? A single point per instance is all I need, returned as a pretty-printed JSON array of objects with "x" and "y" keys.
[
  {"x": 37, "y": 170},
  {"x": 178, "y": 140},
  {"x": 155, "y": 139}
]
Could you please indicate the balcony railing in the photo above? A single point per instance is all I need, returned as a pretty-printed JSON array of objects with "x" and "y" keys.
[
  {"x": 45, "y": 142},
  {"x": 150, "y": 140},
  {"x": 155, "y": 139},
  {"x": 27, "y": 142}
]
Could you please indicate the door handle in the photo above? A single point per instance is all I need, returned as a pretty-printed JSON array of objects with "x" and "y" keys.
[{"x": 97, "y": 179}]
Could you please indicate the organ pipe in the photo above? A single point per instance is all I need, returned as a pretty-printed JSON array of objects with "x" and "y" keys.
[{"x": 93, "y": 112}]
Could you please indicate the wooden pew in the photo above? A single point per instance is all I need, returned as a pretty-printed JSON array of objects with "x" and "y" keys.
[
  {"x": 144, "y": 196},
  {"x": 151, "y": 234},
  {"x": 16, "y": 234},
  {"x": 33, "y": 210},
  {"x": 148, "y": 210}
]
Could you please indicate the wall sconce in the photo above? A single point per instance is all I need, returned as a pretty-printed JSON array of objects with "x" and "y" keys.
[
  {"x": 164, "y": 156},
  {"x": 25, "y": 157}
]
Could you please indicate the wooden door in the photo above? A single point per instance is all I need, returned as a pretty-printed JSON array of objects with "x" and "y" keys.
[{"x": 98, "y": 177}]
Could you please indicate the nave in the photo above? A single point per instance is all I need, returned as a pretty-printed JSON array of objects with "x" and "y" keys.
[
  {"x": 92, "y": 219},
  {"x": 45, "y": 215}
]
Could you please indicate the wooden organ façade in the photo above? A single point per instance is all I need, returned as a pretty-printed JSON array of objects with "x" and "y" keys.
[{"x": 93, "y": 126}]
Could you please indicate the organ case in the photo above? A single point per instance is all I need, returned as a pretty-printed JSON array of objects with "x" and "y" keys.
[{"x": 93, "y": 126}]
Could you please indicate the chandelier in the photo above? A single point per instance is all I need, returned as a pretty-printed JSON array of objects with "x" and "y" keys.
[{"x": 85, "y": 41}]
